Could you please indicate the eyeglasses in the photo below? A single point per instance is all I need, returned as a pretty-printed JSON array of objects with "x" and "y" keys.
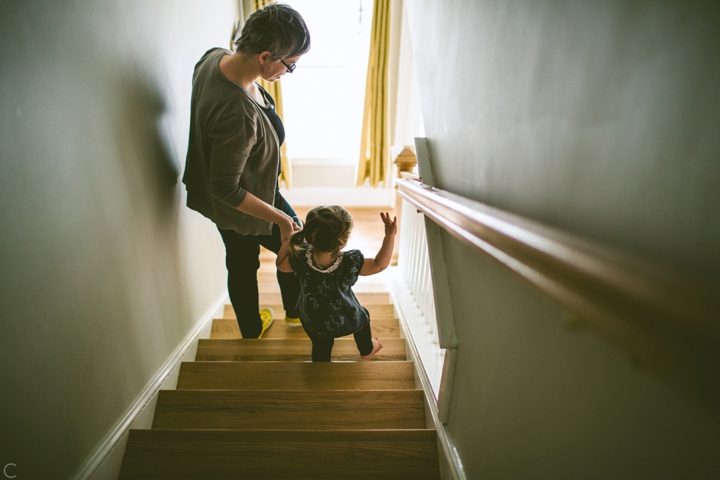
[{"x": 290, "y": 68}]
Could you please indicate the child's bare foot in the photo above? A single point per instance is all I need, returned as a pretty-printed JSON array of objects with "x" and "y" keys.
[{"x": 377, "y": 345}]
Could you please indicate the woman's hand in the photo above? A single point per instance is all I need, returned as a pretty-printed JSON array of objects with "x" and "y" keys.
[
  {"x": 287, "y": 228},
  {"x": 390, "y": 227},
  {"x": 257, "y": 208}
]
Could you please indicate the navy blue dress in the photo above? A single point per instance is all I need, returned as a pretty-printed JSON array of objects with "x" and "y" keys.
[{"x": 327, "y": 305}]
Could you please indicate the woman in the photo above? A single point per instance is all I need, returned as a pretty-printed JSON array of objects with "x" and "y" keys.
[{"x": 233, "y": 159}]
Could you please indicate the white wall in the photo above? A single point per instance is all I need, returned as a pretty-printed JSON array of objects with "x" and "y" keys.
[
  {"x": 602, "y": 119},
  {"x": 104, "y": 271}
]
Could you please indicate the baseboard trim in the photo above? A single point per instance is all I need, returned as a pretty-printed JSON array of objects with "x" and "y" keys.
[
  {"x": 447, "y": 447},
  {"x": 121, "y": 429}
]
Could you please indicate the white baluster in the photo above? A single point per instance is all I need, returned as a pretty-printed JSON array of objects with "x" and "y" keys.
[{"x": 414, "y": 265}]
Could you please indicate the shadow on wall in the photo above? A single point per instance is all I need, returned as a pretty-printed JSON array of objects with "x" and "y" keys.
[
  {"x": 148, "y": 162},
  {"x": 150, "y": 174},
  {"x": 148, "y": 165},
  {"x": 93, "y": 290}
]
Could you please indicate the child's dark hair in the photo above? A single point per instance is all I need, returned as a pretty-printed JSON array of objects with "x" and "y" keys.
[{"x": 326, "y": 228}]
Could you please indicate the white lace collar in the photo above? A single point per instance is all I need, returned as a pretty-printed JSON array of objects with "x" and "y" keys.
[{"x": 331, "y": 268}]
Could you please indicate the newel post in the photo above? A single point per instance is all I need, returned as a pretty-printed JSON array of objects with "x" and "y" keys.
[{"x": 405, "y": 162}]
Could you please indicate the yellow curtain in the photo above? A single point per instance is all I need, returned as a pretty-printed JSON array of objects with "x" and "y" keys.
[
  {"x": 275, "y": 90},
  {"x": 374, "y": 161}
]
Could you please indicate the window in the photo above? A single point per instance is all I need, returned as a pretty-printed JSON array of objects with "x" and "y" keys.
[{"x": 324, "y": 98}]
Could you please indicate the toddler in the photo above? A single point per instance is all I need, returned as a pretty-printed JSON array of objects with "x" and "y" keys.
[{"x": 327, "y": 305}]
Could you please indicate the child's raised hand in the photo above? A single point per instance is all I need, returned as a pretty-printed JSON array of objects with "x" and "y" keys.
[{"x": 390, "y": 226}]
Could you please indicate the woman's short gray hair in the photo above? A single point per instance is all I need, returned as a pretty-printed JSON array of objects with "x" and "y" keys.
[{"x": 278, "y": 29}]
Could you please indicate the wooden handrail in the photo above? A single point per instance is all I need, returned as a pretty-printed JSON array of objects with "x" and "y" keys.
[{"x": 667, "y": 322}]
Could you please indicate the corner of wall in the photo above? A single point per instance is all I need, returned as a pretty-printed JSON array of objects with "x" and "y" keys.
[{"x": 105, "y": 461}]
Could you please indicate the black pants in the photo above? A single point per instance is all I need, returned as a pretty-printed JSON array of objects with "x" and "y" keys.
[
  {"x": 322, "y": 346},
  {"x": 242, "y": 258}
]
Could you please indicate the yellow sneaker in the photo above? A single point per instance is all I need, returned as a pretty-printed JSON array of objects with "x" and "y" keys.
[
  {"x": 266, "y": 315},
  {"x": 293, "y": 322}
]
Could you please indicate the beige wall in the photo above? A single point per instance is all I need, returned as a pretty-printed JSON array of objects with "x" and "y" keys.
[
  {"x": 600, "y": 118},
  {"x": 103, "y": 270}
]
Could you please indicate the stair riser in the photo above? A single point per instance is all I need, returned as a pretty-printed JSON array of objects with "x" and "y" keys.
[
  {"x": 228, "y": 328},
  {"x": 290, "y": 410},
  {"x": 376, "y": 311},
  {"x": 296, "y": 376},
  {"x": 167, "y": 454},
  {"x": 291, "y": 350}
]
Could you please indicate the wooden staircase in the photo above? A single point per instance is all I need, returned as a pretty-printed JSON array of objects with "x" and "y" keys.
[{"x": 259, "y": 409}]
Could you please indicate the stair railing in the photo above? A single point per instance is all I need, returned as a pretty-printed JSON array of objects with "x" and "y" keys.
[
  {"x": 667, "y": 322},
  {"x": 415, "y": 266},
  {"x": 426, "y": 279}
]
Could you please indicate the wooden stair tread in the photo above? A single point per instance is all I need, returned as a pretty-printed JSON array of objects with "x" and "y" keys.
[
  {"x": 259, "y": 409},
  {"x": 389, "y": 375},
  {"x": 293, "y": 410},
  {"x": 376, "y": 311},
  {"x": 227, "y": 328},
  {"x": 263, "y": 454},
  {"x": 290, "y": 350}
]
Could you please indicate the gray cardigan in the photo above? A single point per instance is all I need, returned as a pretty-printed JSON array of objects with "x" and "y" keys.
[{"x": 233, "y": 149}]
